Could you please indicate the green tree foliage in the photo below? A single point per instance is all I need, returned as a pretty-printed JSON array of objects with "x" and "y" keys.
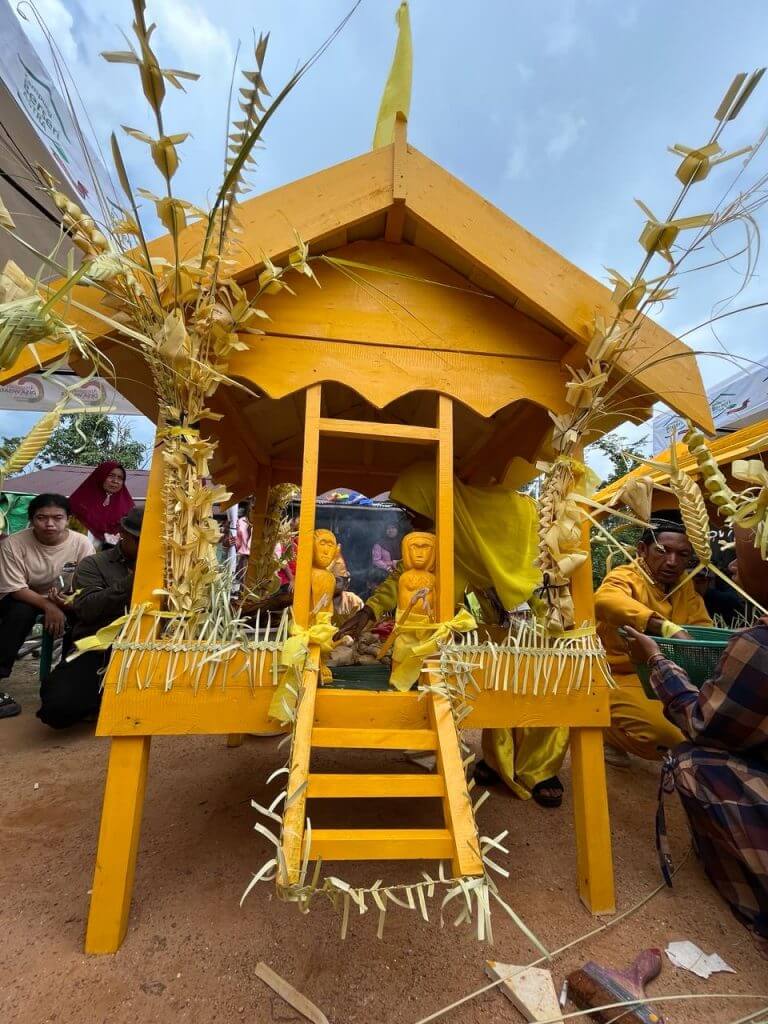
[
  {"x": 618, "y": 450},
  {"x": 8, "y": 446},
  {"x": 86, "y": 439}
]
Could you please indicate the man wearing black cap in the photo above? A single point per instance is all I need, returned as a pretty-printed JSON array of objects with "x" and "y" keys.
[
  {"x": 647, "y": 597},
  {"x": 102, "y": 593}
]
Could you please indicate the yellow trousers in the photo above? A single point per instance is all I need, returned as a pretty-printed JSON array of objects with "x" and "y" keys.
[
  {"x": 638, "y": 725},
  {"x": 525, "y": 757}
]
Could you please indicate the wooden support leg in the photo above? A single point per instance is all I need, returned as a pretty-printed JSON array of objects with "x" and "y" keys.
[
  {"x": 118, "y": 843},
  {"x": 594, "y": 858},
  {"x": 235, "y": 739}
]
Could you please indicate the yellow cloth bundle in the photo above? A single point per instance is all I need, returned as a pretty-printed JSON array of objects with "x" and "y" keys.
[{"x": 495, "y": 533}]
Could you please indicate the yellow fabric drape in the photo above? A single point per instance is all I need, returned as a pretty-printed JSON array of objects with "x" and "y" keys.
[
  {"x": 525, "y": 757},
  {"x": 397, "y": 91},
  {"x": 495, "y": 533}
]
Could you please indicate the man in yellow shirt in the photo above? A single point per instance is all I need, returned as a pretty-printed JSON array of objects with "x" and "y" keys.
[{"x": 629, "y": 596}]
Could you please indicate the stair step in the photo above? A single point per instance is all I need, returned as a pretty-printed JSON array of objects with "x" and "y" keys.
[
  {"x": 375, "y": 739},
  {"x": 381, "y": 844},
  {"x": 343, "y": 786},
  {"x": 359, "y": 710}
]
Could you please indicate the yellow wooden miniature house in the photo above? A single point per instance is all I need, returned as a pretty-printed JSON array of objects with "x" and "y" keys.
[{"x": 441, "y": 327}]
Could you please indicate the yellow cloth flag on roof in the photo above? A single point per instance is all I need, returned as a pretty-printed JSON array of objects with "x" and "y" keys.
[{"x": 397, "y": 91}]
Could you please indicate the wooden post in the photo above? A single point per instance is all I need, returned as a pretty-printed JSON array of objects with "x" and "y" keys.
[
  {"x": 118, "y": 843},
  {"x": 303, "y": 583},
  {"x": 444, "y": 510},
  {"x": 594, "y": 859},
  {"x": 128, "y": 760},
  {"x": 294, "y": 816}
]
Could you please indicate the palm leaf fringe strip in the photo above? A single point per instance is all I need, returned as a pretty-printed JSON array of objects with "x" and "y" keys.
[{"x": 528, "y": 662}]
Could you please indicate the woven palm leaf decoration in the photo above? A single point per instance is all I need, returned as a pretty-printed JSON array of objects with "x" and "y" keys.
[
  {"x": 593, "y": 390},
  {"x": 183, "y": 316}
]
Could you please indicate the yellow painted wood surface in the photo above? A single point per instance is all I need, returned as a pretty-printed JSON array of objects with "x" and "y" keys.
[
  {"x": 444, "y": 526},
  {"x": 556, "y": 290},
  {"x": 374, "y": 738},
  {"x": 118, "y": 844},
  {"x": 357, "y": 709},
  {"x": 497, "y": 709},
  {"x": 590, "y": 791},
  {"x": 298, "y": 769},
  {"x": 301, "y": 750},
  {"x": 235, "y": 708},
  {"x": 283, "y": 365},
  {"x": 301, "y": 598},
  {"x": 182, "y": 712},
  {"x": 594, "y": 859},
  {"x": 451, "y": 223},
  {"x": 381, "y": 844},
  {"x": 393, "y": 231},
  {"x": 344, "y": 786},
  {"x": 457, "y": 804},
  {"x": 385, "y": 431}
]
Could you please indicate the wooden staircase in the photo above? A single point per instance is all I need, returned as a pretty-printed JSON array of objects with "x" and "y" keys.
[
  {"x": 377, "y": 721},
  {"x": 342, "y": 719}
]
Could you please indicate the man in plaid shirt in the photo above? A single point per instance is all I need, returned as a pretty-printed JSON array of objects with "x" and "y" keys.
[{"x": 722, "y": 773}]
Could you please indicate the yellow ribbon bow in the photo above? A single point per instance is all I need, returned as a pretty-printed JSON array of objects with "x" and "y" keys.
[
  {"x": 409, "y": 651},
  {"x": 293, "y": 661}
]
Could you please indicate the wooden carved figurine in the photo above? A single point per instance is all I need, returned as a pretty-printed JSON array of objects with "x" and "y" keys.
[
  {"x": 416, "y": 586},
  {"x": 415, "y": 606},
  {"x": 324, "y": 551}
]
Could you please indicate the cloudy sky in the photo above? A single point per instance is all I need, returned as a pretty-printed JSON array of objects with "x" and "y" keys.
[{"x": 557, "y": 111}]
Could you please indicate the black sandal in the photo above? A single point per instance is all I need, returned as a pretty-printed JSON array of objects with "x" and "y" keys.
[
  {"x": 484, "y": 775},
  {"x": 8, "y": 706},
  {"x": 548, "y": 801}
]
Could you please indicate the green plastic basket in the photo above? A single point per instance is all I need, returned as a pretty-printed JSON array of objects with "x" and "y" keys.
[{"x": 697, "y": 656}]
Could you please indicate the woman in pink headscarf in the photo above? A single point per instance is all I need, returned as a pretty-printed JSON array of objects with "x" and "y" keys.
[{"x": 101, "y": 501}]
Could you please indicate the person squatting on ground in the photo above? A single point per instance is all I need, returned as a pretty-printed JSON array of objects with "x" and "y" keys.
[
  {"x": 33, "y": 566},
  {"x": 495, "y": 543},
  {"x": 721, "y": 769},
  {"x": 102, "y": 593},
  {"x": 630, "y": 597}
]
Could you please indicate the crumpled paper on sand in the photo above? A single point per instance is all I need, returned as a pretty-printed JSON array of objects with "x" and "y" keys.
[{"x": 689, "y": 956}]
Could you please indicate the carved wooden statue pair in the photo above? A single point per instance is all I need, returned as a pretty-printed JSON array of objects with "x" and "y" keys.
[{"x": 415, "y": 586}]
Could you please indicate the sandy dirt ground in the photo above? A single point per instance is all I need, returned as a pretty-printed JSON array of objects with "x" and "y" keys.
[{"x": 190, "y": 951}]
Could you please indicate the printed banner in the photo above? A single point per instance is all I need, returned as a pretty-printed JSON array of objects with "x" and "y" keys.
[
  {"x": 737, "y": 402},
  {"x": 35, "y": 393},
  {"x": 30, "y": 85}
]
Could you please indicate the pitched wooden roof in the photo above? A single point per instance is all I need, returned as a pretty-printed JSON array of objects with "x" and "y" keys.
[{"x": 398, "y": 195}]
